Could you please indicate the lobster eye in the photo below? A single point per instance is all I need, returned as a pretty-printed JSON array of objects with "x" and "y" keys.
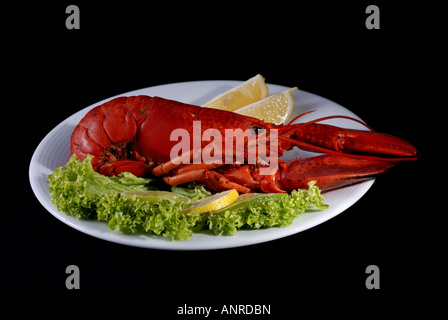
[{"x": 257, "y": 129}]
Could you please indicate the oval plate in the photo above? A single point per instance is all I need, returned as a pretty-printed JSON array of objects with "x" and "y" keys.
[{"x": 53, "y": 152}]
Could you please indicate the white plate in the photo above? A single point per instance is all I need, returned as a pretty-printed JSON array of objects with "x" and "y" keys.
[{"x": 54, "y": 152}]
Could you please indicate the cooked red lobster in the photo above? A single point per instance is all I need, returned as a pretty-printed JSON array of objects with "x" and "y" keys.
[{"x": 133, "y": 134}]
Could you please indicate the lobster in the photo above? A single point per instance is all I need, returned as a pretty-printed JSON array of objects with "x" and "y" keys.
[{"x": 133, "y": 134}]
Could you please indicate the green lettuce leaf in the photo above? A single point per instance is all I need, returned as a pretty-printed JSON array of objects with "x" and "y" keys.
[
  {"x": 271, "y": 210},
  {"x": 83, "y": 193},
  {"x": 77, "y": 188},
  {"x": 194, "y": 191},
  {"x": 132, "y": 215}
]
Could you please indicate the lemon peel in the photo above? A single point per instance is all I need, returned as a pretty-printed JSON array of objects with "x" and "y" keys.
[{"x": 213, "y": 202}]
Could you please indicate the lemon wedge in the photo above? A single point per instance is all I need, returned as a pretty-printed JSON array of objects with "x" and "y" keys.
[
  {"x": 273, "y": 109},
  {"x": 213, "y": 202},
  {"x": 246, "y": 93},
  {"x": 155, "y": 196}
]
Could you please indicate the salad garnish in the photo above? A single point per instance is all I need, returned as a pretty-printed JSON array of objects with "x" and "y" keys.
[{"x": 77, "y": 190}]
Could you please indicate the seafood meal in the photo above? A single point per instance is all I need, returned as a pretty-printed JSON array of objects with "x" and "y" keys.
[
  {"x": 210, "y": 155},
  {"x": 132, "y": 134}
]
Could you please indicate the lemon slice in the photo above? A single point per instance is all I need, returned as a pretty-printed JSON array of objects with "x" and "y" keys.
[
  {"x": 213, "y": 202},
  {"x": 274, "y": 109},
  {"x": 155, "y": 196},
  {"x": 246, "y": 93}
]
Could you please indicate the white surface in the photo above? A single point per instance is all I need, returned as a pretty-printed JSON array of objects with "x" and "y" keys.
[{"x": 54, "y": 152}]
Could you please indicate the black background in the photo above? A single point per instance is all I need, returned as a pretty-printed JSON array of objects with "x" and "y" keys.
[{"x": 52, "y": 72}]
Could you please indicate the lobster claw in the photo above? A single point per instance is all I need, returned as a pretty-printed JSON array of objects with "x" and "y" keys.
[
  {"x": 327, "y": 138},
  {"x": 330, "y": 171},
  {"x": 110, "y": 169}
]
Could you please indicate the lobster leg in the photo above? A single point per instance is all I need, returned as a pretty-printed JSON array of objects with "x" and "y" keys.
[
  {"x": 217, "y": 182},
  {"x": 183, "y": 173},
  {"x": 178, "y": 162},
  {"x": 110, "y": 169},
  {"x": 330, "y": 171},
  {"x": 214, "y": 180},
  {"x": 184, "y": 177}
]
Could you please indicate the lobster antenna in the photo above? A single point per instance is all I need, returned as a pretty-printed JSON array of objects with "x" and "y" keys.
[
  {"x": 297, "y": 117},
  {"x": 289, "y": 127}
]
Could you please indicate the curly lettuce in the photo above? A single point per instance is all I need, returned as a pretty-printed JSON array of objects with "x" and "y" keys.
[
  {"x": 77, "y": 188},
  {"x": 130, "y": 215},
  {"x": 194, "y": 191},
  {"x": 265, "y": 211},
  {"x": 79, "y": 191}
]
